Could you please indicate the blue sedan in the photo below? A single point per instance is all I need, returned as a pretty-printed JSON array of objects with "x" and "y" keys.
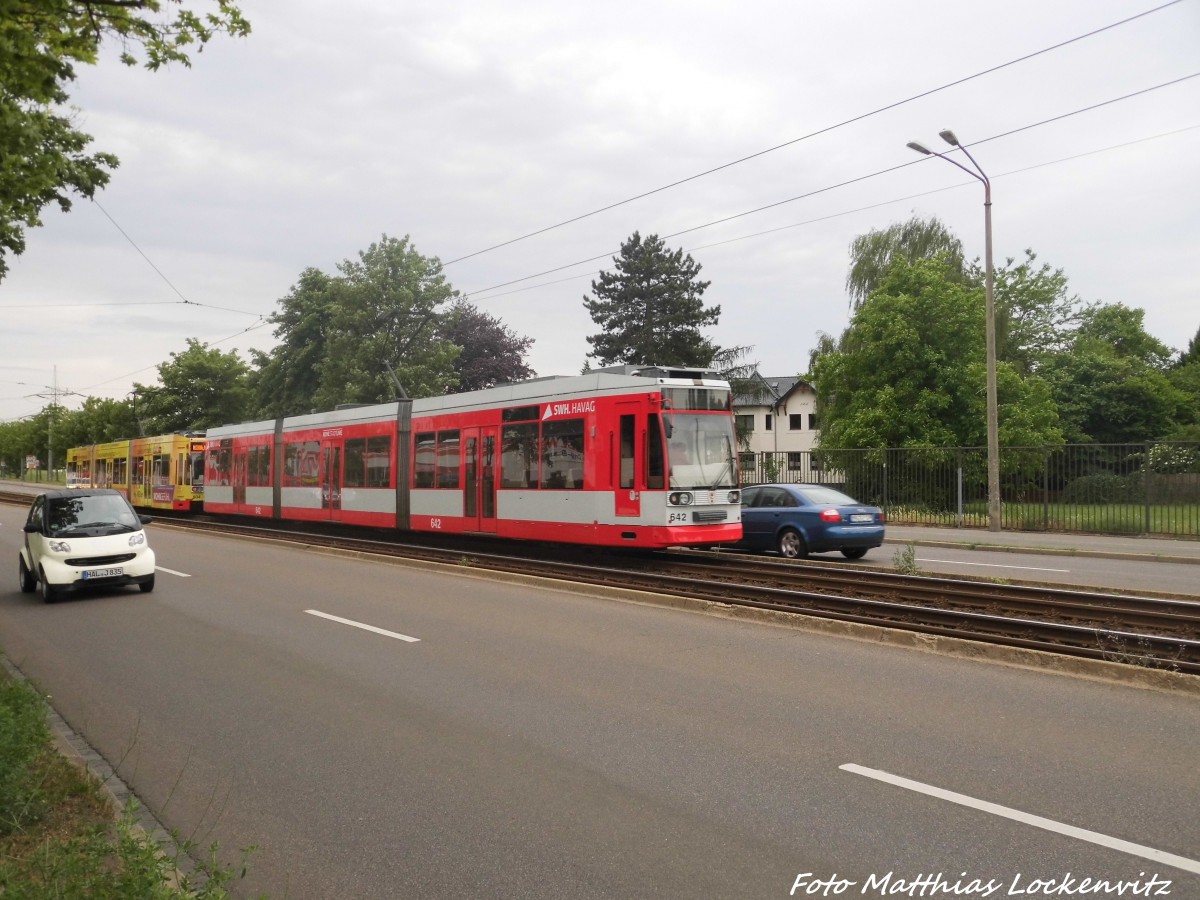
[{"x": 798, "y": 519}]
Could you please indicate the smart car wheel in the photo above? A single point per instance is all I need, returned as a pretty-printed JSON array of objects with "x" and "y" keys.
[
  {"x": 147, "y": 586},
  {"x": 792, "y": 545},
  {"x": 854, "y": 552},
  {"x": 28, "y": 582},
  {"x": 49, "y": 594}
]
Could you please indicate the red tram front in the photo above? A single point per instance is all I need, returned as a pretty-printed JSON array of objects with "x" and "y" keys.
[{"x": 612, "y": 458}]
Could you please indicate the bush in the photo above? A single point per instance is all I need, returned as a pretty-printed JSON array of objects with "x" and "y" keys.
[{"x": 1099, "y": 489}]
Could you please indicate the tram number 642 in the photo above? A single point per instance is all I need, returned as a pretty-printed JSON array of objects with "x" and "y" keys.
[
  {"x": 435, "y": 523},
  {"x": 677, "y": 517}
]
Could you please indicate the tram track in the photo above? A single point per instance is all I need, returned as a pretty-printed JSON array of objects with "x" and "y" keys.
[{"x": 1157, "y": 633}]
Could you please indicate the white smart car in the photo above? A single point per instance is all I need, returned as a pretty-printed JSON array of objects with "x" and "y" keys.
[{"x": 84, "y": 538}]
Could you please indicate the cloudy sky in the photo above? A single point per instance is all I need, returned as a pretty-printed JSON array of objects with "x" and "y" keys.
[{"x": 465, "y": 125}]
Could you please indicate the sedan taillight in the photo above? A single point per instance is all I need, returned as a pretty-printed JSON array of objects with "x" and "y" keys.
[{"x": 830, "y": 515}]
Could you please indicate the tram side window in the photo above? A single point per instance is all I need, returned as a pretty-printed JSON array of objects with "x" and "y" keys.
[
  {"x": 196, "y": 464},
  {"x": 220, "y": 462},
  {"x": 448, "y": 443},
  {"x": 379, "y": 462},
  {"x": 562, "y": 454},
  {"x": 160, "y": 470},
  {"x": 258, "y": 467},
  {"x": 519, "y": 456},
  {"x": 120, "y": 470},
  {"x": 424, "y": 457},
  {"x": 302, "y": 464},
  {"x": 368, "y": 462}
]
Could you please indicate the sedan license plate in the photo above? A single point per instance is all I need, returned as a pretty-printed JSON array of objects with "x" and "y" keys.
[
  {"x": 862, "y": 517},
  {"x": 103, "y": 573}
]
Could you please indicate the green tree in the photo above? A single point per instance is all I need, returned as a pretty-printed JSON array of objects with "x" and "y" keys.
[
  {"x": 199, "y": 388},
  {"x": 910, "y": 369},
  {"x": 98, "y": 420},
  {"x": 1184, "y": 376},
  {"x": 872, "y": 254},
  {"x": 1191, "y": 355},
  {"x": 1035, "y": 315},
  {"x": 651, "y": 308},
  {"x": 287, "y": 378},
  {"x": 490, "y": 353},
  {"x": 385, "y": 310},
  {"x": 44, "y": 157},
  {"x": 1110, "y": 382}
]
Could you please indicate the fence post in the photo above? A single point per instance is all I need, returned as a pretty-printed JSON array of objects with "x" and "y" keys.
[
  {"x": 885, "y": 484},
  {"x": 1147, "y": 474},
  {"x": 1045, "y": 489},
  {"x": 959, "y": 456}
]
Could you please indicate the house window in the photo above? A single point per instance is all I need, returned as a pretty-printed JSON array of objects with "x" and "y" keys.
[
  {"x": 795, "y": 462},
  {"x": 768, "y": 418},
  {"x": 796, "y": 421},
  {"x": 812, "y": 421},
  {"x": 745, "y": 423}
]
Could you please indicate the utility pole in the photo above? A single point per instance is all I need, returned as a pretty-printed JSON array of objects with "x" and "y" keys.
[{"x": 52, "y": 393}]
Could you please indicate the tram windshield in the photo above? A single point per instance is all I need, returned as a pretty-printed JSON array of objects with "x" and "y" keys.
[{"x": 700, "y": 450}]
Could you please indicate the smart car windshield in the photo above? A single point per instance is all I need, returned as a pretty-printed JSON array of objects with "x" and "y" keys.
[{"x": 91, "y": 514}]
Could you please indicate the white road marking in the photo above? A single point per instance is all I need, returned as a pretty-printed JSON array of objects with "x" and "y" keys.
[
  {"x": 955, "y": 562},
  {"x": 172, "y": 572},
  {"x": 1169, "y": 859},
  {"x": 391, "y": 634}
]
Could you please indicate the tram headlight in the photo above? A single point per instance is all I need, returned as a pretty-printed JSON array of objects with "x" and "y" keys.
[
  {"x": 680, "y": 498},
  {"x": 734, "y": 497}
]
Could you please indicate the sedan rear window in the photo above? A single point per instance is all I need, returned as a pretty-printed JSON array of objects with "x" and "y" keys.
[{"x": 826, "y": 496}]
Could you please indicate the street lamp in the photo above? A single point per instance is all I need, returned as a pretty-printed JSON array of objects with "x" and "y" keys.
[{"x": 993, "y": 425}]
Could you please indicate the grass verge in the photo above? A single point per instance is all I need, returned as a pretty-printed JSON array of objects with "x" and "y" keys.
[{"x": 60, "y": 836}]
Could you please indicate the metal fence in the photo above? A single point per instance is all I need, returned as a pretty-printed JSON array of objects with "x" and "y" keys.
[{"x": 1150, "y": 488}]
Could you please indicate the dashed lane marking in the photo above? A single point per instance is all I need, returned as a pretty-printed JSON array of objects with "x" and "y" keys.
[
  {"x": 1094, "y": 837},
  {"x": 351, "y": 622}
]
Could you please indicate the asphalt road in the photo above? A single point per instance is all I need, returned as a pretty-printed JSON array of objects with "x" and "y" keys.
[{"x": 540, "y": 743}]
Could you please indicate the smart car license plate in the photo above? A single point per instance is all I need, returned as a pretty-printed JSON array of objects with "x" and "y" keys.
[
  {"x": 89, "y": 574},
  {"x": 862, "y": 517}
]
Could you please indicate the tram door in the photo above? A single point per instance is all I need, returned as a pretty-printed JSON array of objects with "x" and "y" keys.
[
  {"x": 331, "y": 477},
  {"x": 628, "y": 452},
  {"x": 479, "y": 479}
]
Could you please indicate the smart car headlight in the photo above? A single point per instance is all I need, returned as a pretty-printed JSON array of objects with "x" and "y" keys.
[
  {"x": 60, "y": 546},
  {"x": 135, "y": 539}
]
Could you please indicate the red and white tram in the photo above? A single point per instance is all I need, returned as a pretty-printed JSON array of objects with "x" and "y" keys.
[{"x": 628, "y": 457}]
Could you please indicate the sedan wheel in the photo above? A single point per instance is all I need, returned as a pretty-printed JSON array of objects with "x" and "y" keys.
[
  {"x": 855, "y": 552},
  {"x": 28, "y": 582},
  {"x": 791, "y": 544}
]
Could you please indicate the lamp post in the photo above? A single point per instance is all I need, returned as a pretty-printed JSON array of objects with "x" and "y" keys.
[{"x": 993, "y": 422}]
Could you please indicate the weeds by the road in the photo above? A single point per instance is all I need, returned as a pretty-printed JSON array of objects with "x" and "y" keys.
[
  {"x": 905, "y": 560},
  {"x": 58, "y": 834}
]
